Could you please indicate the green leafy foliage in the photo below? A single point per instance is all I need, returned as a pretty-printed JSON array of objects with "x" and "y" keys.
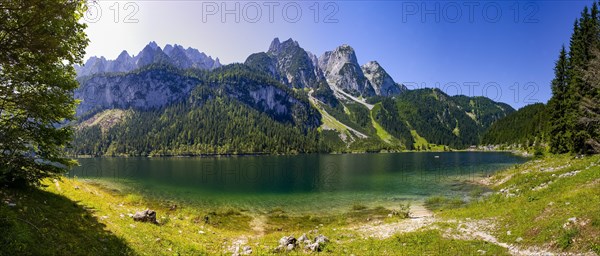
[{"x": 40, "y": 41}]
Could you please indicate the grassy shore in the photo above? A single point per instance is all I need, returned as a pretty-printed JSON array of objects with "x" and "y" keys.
[{"x": 550, "y": 205}]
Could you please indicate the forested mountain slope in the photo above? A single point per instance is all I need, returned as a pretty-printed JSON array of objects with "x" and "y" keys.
[{"x": 285, "y": 100}]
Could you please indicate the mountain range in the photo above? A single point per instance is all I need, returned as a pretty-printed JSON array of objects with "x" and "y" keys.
[
  {"x": 174, "y": 55},
  {"x": 177, "y": 101},
  {"x": 295, "y": 67}
]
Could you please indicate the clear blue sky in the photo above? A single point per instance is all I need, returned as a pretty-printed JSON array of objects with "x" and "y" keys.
[{"x": 480, "y": 52}]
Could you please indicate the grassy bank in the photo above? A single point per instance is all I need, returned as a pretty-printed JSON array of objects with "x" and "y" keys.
[
  {"x": 548, "y": 205},
  {"x": 551, "y": 203}
]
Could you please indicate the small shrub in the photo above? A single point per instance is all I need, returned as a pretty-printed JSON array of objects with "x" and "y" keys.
[{"x": 404, "y": 211}]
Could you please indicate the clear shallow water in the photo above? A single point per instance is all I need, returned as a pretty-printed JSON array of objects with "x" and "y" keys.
[{"x": 318, "y": 182}]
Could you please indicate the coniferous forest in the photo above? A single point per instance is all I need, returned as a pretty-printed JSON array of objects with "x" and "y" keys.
[
  {"x": 225, "y": 114},
  {"x": 574, "y": 109},
  {"x": 570, "y": 122}
]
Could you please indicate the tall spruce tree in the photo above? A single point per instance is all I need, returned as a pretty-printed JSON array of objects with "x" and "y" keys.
[
  {"x": 588, "y": 120},
  {"x": 575, "y": 100},
  {"x": 557, "y": 106},
  {"x": 589, "y": 106}
]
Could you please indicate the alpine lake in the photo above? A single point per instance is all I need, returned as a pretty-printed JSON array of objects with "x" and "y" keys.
[{"x": 298, "y": 183}]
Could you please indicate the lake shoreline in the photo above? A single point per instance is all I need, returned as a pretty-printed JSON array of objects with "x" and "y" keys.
[
  {"x": 495, "y": 223},
  {"x": 521, "y": 153},
  {"x": 304, "y": 183}
]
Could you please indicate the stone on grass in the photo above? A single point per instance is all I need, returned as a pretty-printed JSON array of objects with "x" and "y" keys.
[
  {"x": 247, "y": 250},
  {"x": 303, "y": 239},
  {"x": 286, "y": 243},
  {"x": 145, "y": 216},
  {"x": 320, "y": 242},
  {"x": 290, "y": 247},
  {"x": 286, "y": 240}
]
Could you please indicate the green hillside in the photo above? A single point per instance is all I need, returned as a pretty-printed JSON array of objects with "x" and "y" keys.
[{"x": 523, "y": 127}]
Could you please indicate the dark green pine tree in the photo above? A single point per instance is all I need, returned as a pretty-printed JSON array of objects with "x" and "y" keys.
[
  {"x": 559, "y": 139},
  {"x": 588, "y": 120},
  {"x": 588, "y": 38},
  {"x": 590, "y": 106},
  {"x": 562, "y": 136},
  {"x": 576, "y": 102},
  {"x": 576, "y": 63}
]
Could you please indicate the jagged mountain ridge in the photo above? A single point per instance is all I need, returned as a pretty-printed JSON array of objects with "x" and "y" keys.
[
  {"x": 288, "y": 63},
  {"x": 231, "y": 110},
  {"x": 382, "y": 82},
  {"x": 174, "y": 55},
  {"x": 349, "y": 107},
  {"x": 298, "y": 68},
  {"x": 342, "y": 71}
]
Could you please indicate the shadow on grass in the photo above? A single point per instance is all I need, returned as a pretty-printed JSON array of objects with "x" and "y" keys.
[{"x": 43, "y": 223}]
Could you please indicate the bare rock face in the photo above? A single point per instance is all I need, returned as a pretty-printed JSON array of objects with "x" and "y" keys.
[
  {"x": 144, "y": 90},
  {"x": 145, "y": 216},
  {"x": 289, "y": 63},
  {"x": 340, "y": 68},
  {"x": 382, "y": 82}
]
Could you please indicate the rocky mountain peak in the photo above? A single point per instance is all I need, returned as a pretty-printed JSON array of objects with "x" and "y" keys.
[
  {"x": 288, "y": 63},
  {"x": 217, "y": 63},
  {"x": 153, "y": 45},
  {"x": 175, "y": 55},
  {"x": 277, "y": 47},
  {"x": 382, "y": 82},
  {"x": 149, "y": 55},
  {"x": 340, "y": 68},
  {"x": 274, "y": 45},
  {"x": 123, "y": 56}
]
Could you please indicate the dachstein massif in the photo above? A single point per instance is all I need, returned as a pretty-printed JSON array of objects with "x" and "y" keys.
[{"x": 178, "y": 101}]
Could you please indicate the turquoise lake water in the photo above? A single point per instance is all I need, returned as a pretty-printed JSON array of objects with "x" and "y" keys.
[{"x": 316, "y": 182}]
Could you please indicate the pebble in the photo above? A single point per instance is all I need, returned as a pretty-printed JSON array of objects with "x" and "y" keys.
[{"x": 290, "y": 247}]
